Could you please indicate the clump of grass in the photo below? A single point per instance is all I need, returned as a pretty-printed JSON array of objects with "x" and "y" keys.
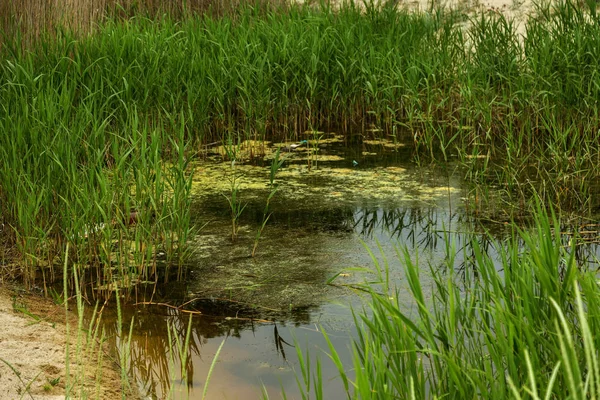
[
  {"x": 111, "y": 189},
  {"x": 275, "y": 165},
  {"x": 524, "y": 329},
  {"x": 91, "y": 338},
  {"x": 236, "y": 207}
]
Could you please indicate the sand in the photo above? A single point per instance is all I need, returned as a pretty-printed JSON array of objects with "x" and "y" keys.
[
  {"x": 32, "y": 352},
  {"x": 516, "y": 11}
]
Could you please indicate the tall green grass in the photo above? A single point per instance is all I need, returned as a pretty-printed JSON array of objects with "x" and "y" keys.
[
  {"x": 520, "y": 327},
  {"x": 98, "y": 127},
  {"x": 284, "y": 70}
]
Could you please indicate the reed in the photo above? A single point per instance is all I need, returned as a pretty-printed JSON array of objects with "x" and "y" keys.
[
  {"x": 524, "y": 330},
  {"x": 235, "y": 202},
  {"x": 273, "y": 188},
  {"x": 34, "y": 20},
  {"x": 87, "y": 347},
  {"x": 100, "y": 128}
]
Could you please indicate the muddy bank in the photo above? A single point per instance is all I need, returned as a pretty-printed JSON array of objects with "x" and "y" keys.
[{"x": 32, "y": 352}]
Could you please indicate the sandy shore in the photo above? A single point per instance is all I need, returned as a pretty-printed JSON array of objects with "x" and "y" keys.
[{"x": 32, "y": 352}]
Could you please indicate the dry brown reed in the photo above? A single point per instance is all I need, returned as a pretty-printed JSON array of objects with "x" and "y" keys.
[{"x": 31, "y": 19}]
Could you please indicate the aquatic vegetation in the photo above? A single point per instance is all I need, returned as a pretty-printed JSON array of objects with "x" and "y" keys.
[
  {"x": 98, "y": 125},
  {"x": 275, "y": 166},
  {"x": 87, "y": 344},
  {"x": 524, "y": 331},
  {"x": 235, "y": 202},
  {"x": 323, "y": 186},
  {"x": 313, "y": 154}
]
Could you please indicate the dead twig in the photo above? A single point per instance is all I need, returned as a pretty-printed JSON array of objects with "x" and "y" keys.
[{"x": 151, "y": 303}]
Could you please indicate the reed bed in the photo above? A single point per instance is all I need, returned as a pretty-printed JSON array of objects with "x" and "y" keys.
[
  {"x": 98, "y": 130},
  {"x": 33, "y": 20},
  {"x": 524, "y": 329}
]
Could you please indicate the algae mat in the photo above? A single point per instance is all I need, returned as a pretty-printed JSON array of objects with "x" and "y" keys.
[
  {"x": 324, "y": 184},
  {"x": 312, "y": 230}
]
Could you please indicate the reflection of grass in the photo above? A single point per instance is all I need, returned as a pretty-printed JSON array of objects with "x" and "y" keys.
[
  {"x": 90, "y": 345},
  {"x": 527, "y": 330}
]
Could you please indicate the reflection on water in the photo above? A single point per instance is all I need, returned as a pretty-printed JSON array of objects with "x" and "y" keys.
[
  {"x": 321, "y": 224},
  {"x": 257, "y": 353}
]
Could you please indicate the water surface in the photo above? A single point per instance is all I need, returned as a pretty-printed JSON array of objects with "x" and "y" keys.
[{"x": 341, "y": 214}]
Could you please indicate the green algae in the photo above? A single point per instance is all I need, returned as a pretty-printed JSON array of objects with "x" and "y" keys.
[
  {"x": 385, "y": 143},
  {"x": 245, "y": 150},
  {"x": 295, "y": 259},
  {"x": 323, "y": 184}
]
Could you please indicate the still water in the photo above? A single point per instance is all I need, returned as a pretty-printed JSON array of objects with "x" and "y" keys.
[{"x": 335, "y": 217}]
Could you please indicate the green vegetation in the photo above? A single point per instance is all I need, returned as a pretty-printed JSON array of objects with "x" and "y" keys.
[
  {"x": 90, "y": 346},
  {"x": 24, "y": 386},
  {"x": 235, "y": 203},
  {"x": 273, "y": 187},
  {"x": 98, "y": 130},
  {"x": 525, "y": 330}
]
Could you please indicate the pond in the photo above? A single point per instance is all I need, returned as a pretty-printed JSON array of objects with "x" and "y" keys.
[{"x": 337, "y": 214}]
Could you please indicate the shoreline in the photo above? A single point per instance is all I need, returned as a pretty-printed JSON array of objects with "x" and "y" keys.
[{"x": 33, "y": 347}]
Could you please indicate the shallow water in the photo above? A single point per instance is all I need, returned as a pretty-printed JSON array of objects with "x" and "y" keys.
[{"x": 355, "y": 209}]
